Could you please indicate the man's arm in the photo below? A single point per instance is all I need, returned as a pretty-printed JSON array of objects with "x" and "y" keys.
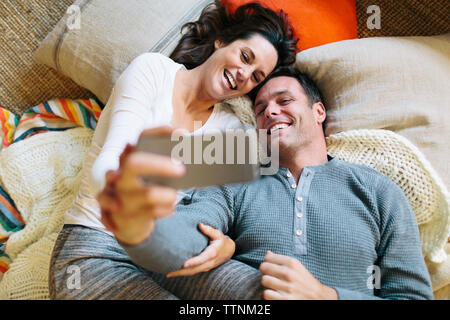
[
  {"x": 402, "y": 270},
  {"x": 177, "y": 238}
]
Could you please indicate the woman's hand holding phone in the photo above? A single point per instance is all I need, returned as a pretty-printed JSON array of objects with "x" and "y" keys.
[{"x": 128, "y": 206}]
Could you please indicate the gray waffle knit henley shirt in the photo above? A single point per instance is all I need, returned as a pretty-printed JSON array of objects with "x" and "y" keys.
[{"x": 349, "y": 225}]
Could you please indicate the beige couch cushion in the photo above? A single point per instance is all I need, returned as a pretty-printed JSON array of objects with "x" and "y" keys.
[
  {"x": 398, "y": 84},
  {"x": 111, "y": 34}
]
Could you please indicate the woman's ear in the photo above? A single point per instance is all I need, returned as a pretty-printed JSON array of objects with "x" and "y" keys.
[{"x": 218, "y": 44}]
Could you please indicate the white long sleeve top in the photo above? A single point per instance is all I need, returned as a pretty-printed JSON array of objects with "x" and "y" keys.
[{"x": 141, "y": 99}]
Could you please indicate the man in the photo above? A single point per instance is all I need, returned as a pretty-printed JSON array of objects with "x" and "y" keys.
[{"x": 318, "y": 229}]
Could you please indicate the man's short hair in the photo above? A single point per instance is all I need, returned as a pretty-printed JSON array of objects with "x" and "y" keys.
[{"x": 310, "y": 88}]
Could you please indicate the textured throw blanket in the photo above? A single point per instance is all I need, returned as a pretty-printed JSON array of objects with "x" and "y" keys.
[
  {"x": 41, "y": 176},
  {"x": 55, "y": 115}
]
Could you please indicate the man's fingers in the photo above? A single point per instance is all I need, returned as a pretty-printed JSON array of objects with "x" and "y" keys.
[
  {"x": 274, "y": 283},
  {"x": 212, "y": 233},
  {"x": 275, "y": 270},
  {"x": 276, "y": 258},
  {"x": 281, "y": 260},
  {"x": 272, "y": 295}
]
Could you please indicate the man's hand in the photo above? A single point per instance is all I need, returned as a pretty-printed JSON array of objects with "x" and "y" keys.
[
  {"x": 220, "y": 250},
  {"x": 287, "y": 279}
]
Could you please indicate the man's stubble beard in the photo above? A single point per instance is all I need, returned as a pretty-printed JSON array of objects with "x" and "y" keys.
[{"x": 287, "y": 152}]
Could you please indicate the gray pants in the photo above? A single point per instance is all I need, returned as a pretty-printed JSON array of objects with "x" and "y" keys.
[{"x": 90, "y": 264}]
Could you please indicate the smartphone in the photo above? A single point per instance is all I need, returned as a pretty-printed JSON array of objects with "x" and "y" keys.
[{"x": 211, "y": 159}]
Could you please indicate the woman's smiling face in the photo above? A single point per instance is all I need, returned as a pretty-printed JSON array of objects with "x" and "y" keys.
[{"x": 235, "y": 69}]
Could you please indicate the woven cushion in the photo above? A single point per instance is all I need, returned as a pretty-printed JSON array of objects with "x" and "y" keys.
[
  {"x": 111, "y": 34},
  {"x": 404, "y": 18},
  {"x": 397, "y": 84}
]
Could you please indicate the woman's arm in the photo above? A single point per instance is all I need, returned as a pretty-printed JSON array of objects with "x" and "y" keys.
[
  {"x": 125, "y": 115},
  {"x": 121, "y": 123}
]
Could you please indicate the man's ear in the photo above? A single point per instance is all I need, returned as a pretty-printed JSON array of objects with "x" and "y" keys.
[{"x": 319, "y": 112}]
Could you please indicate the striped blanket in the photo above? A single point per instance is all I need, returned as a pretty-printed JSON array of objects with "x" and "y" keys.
[{"x": 53, "y": 115}]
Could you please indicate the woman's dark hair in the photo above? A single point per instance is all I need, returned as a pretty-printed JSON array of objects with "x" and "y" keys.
[{"x": 216, "y": 23}]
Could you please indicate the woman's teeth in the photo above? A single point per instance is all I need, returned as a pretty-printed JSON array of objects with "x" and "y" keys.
[
  {"x": 278, "y": 127},
  {"x": 230, "y": 79}
]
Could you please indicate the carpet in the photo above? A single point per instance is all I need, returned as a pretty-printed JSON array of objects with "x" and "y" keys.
[
  {"x": 404, "y": 17},
  {"x": 24, "y": 83}
]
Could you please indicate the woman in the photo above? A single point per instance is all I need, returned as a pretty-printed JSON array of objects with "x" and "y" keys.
[{"x": 220, "y": 56}]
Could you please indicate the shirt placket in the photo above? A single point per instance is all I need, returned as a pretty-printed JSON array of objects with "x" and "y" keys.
[{"x": 301, "y": 193}]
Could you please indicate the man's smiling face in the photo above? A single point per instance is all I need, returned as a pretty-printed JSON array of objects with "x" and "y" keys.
[{"x": 283, "y": 109}]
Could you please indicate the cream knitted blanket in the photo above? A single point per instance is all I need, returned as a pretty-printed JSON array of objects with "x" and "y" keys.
[{"x": 42, "y": 175}]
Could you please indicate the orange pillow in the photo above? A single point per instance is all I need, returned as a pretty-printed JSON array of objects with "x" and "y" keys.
[{"x": 315, "y": 22}]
